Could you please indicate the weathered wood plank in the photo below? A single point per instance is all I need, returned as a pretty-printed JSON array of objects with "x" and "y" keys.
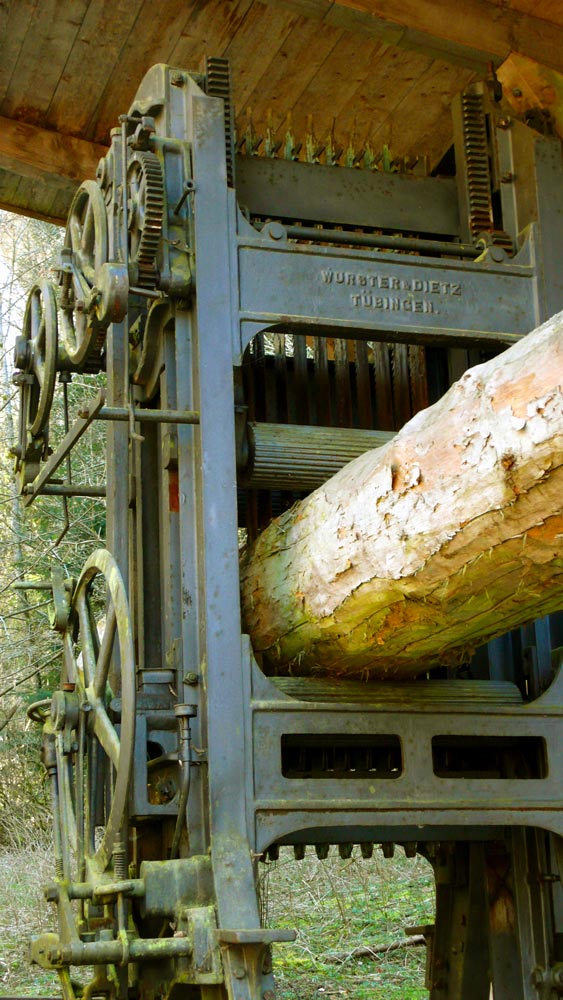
[
  {"x": 374, "y": 104},
  {"x": 49, "y": 204},
  {"x": 471, "y": 34},
  {"x": 290, "y": 71},
  {"x": 209, "y": 30},
  {"x": 93, "y": 58},
  {"x": 428, "y": 130},
  {"x": 51, "y": 33},
  {"x": 478, "y": 24},
  {"x": 151, "y": 40},
  {"x": 262, "y": 32},
  {"x": 334, "y": 85},
  {"x": 45, "y": 155},
  {"x": 14, "y": 22}
]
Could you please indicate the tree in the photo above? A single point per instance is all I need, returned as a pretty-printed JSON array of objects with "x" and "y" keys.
[{"x": 30, "y": 652}]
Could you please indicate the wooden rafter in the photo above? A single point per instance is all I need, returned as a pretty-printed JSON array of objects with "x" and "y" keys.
[
  {"x": 472, "y": 33},
  {"x": 45, "y": 155}
]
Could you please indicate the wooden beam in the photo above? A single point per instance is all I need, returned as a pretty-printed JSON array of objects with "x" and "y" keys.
[
  {"x": 530, "y": 88},
  {"x": 472, "y": 33},
  {"x": 29, "y": 213},
  {"x": 30, "y": 151}
]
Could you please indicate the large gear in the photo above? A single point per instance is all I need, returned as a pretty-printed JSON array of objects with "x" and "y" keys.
[
  {"x": 81, "y": 741},
  {"x": 36, "y": 358},
  {"x": 145, "y": 192},
  {"x": 84, "y": 255}
]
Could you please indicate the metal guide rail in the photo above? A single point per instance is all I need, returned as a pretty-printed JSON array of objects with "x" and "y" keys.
[{"x": 260, "y": 321}]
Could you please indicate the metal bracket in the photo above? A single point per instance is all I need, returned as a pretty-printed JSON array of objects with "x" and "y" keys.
[{"x": 247, "y": 955}]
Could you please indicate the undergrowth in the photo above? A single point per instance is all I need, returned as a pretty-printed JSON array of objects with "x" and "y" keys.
[
  {"x": 338, "y": 906},
  {"x": 24, "y": 912}
]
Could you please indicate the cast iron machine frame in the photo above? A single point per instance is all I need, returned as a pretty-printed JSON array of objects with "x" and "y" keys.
[{"x": 178, "y": 259}]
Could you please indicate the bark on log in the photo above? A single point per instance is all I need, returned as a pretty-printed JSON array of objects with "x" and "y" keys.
[{"x": 416, "y": 552}]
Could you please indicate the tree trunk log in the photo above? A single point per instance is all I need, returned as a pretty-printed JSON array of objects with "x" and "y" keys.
[{"x": 416, "y": 552}]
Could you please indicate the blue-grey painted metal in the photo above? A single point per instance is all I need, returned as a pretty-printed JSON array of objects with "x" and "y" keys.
[{"x": 228, "y": 763}]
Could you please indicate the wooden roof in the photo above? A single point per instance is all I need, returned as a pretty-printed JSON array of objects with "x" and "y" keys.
[{"x": 383, "y": 70}]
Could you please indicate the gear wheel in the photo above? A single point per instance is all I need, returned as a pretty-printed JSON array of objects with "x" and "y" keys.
[
  {"x": 145, "y": 189},
  {"x": 90, "y": 754},
  {"x": 36, "y": 358},
  {"x": 84, "y": 255}
]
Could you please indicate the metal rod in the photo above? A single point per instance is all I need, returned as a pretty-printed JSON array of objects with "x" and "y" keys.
[
  {"x": 57, "y": 458},
  {"x": 382, "y": 242},
  {"x": 63, "y": 490},
  {"x": 146, "y": 293},
  {"x": 149, "y": 416},
  {"x": 103, "y": 952}
]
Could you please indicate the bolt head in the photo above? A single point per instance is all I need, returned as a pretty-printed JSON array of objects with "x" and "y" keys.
[{"x": 537, "y": 977}]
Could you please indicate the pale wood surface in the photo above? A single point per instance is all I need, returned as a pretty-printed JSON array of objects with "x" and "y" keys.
[{"x": 417, "y": 552}]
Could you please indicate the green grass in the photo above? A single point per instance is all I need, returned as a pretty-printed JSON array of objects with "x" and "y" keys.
[
  {"x": 23, "y": 912},
  {"x": 335, "y": 906}
]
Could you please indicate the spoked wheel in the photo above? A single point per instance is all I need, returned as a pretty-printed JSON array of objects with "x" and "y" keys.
[
  {"x": 84, "y": 254},
  {"x": 36, "y": 357},
  {"x": 94, "y": 760}
]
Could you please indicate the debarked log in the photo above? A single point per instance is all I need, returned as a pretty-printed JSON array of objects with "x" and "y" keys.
[{"x": 415, "y": 553}]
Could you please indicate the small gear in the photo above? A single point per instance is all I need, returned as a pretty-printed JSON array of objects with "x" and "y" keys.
[{"x": 145, "y": 188}]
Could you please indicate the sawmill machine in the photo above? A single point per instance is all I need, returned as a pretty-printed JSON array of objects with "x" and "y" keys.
[{"x": 255, "y": 311}]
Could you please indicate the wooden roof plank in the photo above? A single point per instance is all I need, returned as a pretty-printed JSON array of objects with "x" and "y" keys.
[
  {"x": 151, "y": 40},
  {"x": 18, "y": 194},
  {"x": 94, "y": 57},
  {"x": 334, "y": 84},
  {"x": 477, "y": 24},
  {"x": 429, "y": 131},
  {"x": 261, "y": 34},
  {"x": 211, "y": 27},
  {"x": 376, "y": 105},
  {"x": 50, "y": 37},
  {"x": 306, "y": 48},
  {"x": 548, "y": 10},
  {"x": 14, "y": 21}
]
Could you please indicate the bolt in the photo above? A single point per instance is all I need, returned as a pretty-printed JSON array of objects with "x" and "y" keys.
[
  {"x": 516, "y": 92},
  {"x": 537, "y": 977},
  {"x": 275, "y": 231},
  {"x": 504, "y": 122},
  {"x": 177, "y": 79},
  {"x": 239, "y": 972},
  {"x": 507, "y": 178},
  {"x": 191, "y": 678}
]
